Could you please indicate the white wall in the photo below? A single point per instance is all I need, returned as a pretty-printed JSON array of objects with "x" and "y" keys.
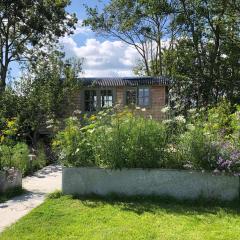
[{"x": 174, "y": 183}]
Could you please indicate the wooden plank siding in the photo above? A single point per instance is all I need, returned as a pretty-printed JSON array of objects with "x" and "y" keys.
[{"x": 157, "y": 100}]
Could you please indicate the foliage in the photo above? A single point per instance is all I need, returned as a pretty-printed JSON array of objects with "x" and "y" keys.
[
  {"x": 41, "y": 159},
  {"x": 200, "y": 55},
  {"x": 27, "y": 26},
  {"x": 206, "y": 140},
  {"x": 14, "y": 153},
  {"x": 74, "y": 145},
  {"x": 16, "y": 156},
  {"x": 141, "y": 24},
  {"x": 131, "y": 142},
  {"x": 39, "y": 98}
]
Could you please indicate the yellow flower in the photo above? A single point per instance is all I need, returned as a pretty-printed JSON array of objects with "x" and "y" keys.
[
  {"x": 93, "y": 118},
  {"x": 1, "y": 138}
]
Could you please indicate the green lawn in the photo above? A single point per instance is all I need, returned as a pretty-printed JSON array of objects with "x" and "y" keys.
[{"x": 67, "y": 218}]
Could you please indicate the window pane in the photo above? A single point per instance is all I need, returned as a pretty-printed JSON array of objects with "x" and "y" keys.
[
  {"x": 146, "y": 92},
  {"x": 90, "y": 100},
  {"x": 131, "y": 97},
  {"x": 141, "y": 92},
  {"x": 146, "y": 101},
  {"x": 141, "y": 101},
  {"x": 143, "y": 97},
  {"x": 106, "y": 98}
]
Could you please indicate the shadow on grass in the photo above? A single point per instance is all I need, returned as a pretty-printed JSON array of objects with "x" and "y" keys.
[{"x": 143, "y": 204}]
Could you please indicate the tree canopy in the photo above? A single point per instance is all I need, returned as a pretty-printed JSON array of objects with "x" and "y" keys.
[
  {"x": 27, "y": 25},
  {"x": 202, "y": 43}
]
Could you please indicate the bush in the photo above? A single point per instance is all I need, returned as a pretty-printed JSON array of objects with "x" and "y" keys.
[
  {"x": 206, "y": 140},
  {"x": 73, "y": 145},
  {"x": 41, "y": 159},
  {"x": 196, "y": 149},
  {"x": 117, "y": 140},
  {"x": 132, "y": 143},
  {"x": 15, "y": 156}
]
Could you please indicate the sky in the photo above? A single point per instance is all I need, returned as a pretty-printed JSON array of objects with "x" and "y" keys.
[{"x": 103, "y": 57}]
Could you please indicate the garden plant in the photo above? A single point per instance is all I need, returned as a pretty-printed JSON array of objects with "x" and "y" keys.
[{"x": 207, "y": 140}]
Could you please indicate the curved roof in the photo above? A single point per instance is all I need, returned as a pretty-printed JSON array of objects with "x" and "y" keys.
[{"x": 124, "y": 81}]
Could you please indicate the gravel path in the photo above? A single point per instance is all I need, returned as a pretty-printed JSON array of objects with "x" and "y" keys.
[{"x": 37, "y": 186}]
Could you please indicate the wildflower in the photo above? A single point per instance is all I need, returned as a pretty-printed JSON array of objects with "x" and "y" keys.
[
  {"x": 167, "y": 121},
  {"x": 77, "y": 112},
  {"x": 143, "y": 109},
  {"x": 180, "y": 119},
  {"x": 93, "y": 118},
  {"x": 165, "y": 109},
  {"x": 73, "y": 118},
  {"x": 216, "y": 171},
  {"x": 177, "y": 106},
  {"x": 171, "y": 149},
  {"x": 190, "y": 127},
  {"x": 188, "y": 165},
  {"x": 192, "y": 110}
]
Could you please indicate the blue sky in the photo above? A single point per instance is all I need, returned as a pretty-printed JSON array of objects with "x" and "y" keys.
[{"x": 102, "y": 57}]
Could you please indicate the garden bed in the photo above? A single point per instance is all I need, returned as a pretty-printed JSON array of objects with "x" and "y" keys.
[
  {"x": 10, "y": 179},
  {"x": 180, "y": 184}
]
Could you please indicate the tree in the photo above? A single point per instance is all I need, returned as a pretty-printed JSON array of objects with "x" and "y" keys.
[
  {"x": 43, "y": 94},
  {"x": 206, "y": 59},
  {"x": 142, "y": 24},
  {"x": 27, "y": 25},
  {"x": 203, "y": 53}
]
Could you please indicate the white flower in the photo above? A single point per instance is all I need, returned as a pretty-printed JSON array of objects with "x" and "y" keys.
[
  {"x": 77, "y": 112},
  {"x": 190, "y": 127},
  {"x": 143, "y": 109},
  {"x": 192, "y": 110},
  {"x": 73, "y": 118},
  {"x": 177, "y": 106},
  {"x": 165, "y": 109},
  {"x": 62, "y": 155},
  {"x": 166, "y": 121},
  {"x": 180, "y": 119},
  {"x": 138, "y": 108},
  {"x": 171, "y": 149}
]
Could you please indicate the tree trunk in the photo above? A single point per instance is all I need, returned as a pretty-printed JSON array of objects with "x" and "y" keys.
[{"x": 3, "y": 76}]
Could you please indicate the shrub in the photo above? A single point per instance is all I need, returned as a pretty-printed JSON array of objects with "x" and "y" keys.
[
  {"x": 20, "y": 157},
  {"x": 196, "y": 149},
  {"x": 205, "y": 140},
  {"x": 41, "y": 159},
  {"x": 131, "y": 143},
  {"x": 15, "y": 156},
  {"x": 73, "y": 145}
]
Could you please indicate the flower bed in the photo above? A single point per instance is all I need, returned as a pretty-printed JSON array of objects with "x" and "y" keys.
[{"x": 206, "y": 140}]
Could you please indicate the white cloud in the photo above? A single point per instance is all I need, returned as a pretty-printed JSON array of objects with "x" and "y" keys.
[
  {"x": 107, "y": 58},
  {"x": 80, "y": 29}
]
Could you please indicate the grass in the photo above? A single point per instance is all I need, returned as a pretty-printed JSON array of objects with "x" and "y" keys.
[
  {"x": 11, "y": 193},
  {"x": 63, "y": 217}
]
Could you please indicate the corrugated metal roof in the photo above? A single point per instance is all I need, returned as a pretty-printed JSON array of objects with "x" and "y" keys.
[{"x": 124, "y": 81}]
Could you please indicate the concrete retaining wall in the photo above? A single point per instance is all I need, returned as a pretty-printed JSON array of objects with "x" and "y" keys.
[
  {"x": 10, "y": 179},
  {"x": 174, "y": 183}
]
